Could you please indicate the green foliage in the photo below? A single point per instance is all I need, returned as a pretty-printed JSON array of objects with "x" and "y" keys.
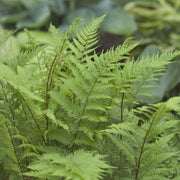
[
  {"x": 157, "y": 20},
  {"x": 158, "y": 25},
  {"x": 37, "y": 13},
  {"x": 30, "y": 14},
  {"x": 69, "y": 113},
  {"x": 74, "y": 166}
]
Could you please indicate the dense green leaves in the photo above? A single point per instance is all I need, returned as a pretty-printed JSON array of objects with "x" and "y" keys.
[
  {"x": 158, "y": 25},
  {"x": 77, "y": 166},
  {"x": 69, "y": 113}
]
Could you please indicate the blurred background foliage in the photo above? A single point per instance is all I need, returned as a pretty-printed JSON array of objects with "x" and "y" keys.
[
  {"x": 155, "y": 22},
  {"x": 38, "y": 13}
]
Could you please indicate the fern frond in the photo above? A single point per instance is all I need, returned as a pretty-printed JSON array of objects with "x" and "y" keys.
[
  {"x": 11, "y": 158},
  {"x": 74, "y": 166},
  {"x": 17, "y": 82},
  {"x": 136, "y": 76},
  {"x": 86, "y": 38}
]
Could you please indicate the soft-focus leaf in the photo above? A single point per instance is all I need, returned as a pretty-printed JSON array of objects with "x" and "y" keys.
[
  {"x": 175, "y": 39},
  {"x": 12, "y": 18},
  {"x": 9, "y": 50},
  {"x": 39, "y": 16},
  {"x": 58, "y": 7},
  {"x": 150, "y": 50},
  {"x": 84, "y": 13},
  {"x": 31, "y": 4},
  {"x": 102, "y": 7},
  {"x": 118, "y": 22},
  {"x": 12, "y": 2}
]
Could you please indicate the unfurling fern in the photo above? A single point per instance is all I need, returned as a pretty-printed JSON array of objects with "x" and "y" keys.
[{"x": 69, "y": 113}]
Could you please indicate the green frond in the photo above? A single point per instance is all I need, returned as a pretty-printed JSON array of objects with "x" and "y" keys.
[
  {"x": 55, "y": 121},
  {"x": 75, "y": 166},
  {"x": 61, "y": 136},
  {"x": 55, "y": 38},
  {"x": 138, "y": 75},
  {"x": 173, "y": 104},
  {"x": 10, "y": 158},
  {"x": 72, "y": 110},
  {"x": 25, "y": 57},
  {"x": 153, "y": 161},
  {"x": 127, "y": 130},
  {"x": 161, "y": 127},
  {"x": 85, "y": 139},
  {"x": 125, "y": 148},
  {"x": 86, "y": 38},
  {"x": 17, "y": 82},
  {"x": 122, "y": 51},
  {"x": 155, "y": 148}
]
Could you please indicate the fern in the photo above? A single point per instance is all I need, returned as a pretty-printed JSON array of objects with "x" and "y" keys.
[
  {"x": 12, "y": 146},
  {"x": 73, "y": 166},
  {"x": 69, "y": 113}
]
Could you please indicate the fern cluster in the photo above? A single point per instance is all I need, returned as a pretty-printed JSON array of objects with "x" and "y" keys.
[{"x": 69, "y": 113}]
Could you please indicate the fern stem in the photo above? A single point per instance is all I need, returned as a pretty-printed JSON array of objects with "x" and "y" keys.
[
  {"x": 15, "y": 152},
  {"x": 142, "y": 149},
  {"x": 30, "y": 111},
  {"x": 83, "y": 111},
  {"x": 48, "y": 89},
  {"x": 35, "y": 121},
  {"x": 26, "y": 120},
  {"x": 98, "y": 124},
  {"x": 25, "y": 113},
  {"x": 54, "y": 66},
  {"x": 122, "y": 101},
  {"x": 7, "y": 101},
  {"x": 50, "y": 78}
]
